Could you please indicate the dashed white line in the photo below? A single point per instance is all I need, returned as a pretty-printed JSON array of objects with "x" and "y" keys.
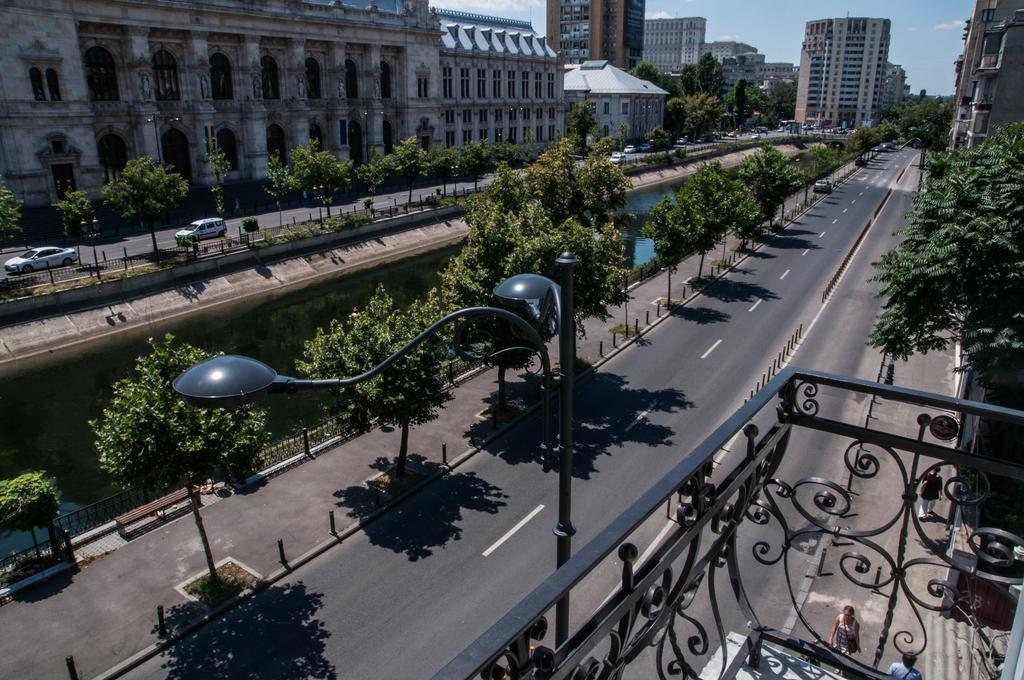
[
  {"x": 759, "y": 301},
  {"x": 643, "y": 414},
  {"x": 517, "y": 527},
  {"x": 845, "y": 209},
  {"x": 784, "y": 275},
  {"x": 805, "y": 252},
  {"x": 835, "y": 220},
  {"x": 821, "y": 234},
  {"x": 711, "y": 349},
  {"x": 861, "y": 193},
  {"x": 853, "y": 201}
]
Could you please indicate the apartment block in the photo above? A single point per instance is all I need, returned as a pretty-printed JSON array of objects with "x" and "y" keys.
[
  {"x": 720, "y": 49},
  {"x": 990, "y": 72},
  {"x": 842, "y": 66},
  {"x": 894, "y": 84},
  {"x": 753, "y": 68},
  {"x": 670, "y": 44},
  {"x": 583, "y": 30}
]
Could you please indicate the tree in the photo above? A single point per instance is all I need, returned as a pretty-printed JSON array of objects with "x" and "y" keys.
[
  {"x": 279, "y": 182},
  {"x": 443, "y": 162},
  {"x": 956, "y": 275},
  {"x": 888, "y": 131},
  {"x": 144, "y": 190},
  {"x": 75, "y": 208},
  {"x": 220, "y": 166},
  {"x": 825, "y": 159},
  {"x": 675, "y": 116},
  {"x": 505, "y": 152},
  {"x": 410, "y": 392},
  {"x": 623, "y": 131},
  {"x": 703, "y": 112},
  {"x": 319, "y": 172},
  {"x": 710, "y": 76},
  {"x": 689, "y": 82},
  {"x": 770, "y": 179},
  {"x": 781, "y": 102},
  {"x": 147, "y": 437},
  {"x": 26, "y": 502},
  {"x": 740, "y": 102},
  {"x": 928, "y": 118},
  {"x": 474, "y": 158},
  {"x": 581, "y": 123},
  {"x": 10, "y": 213},
  {"x": 645, "y": 70},
  {"x": 409, "y": 161},
  {"x": 658, "y": 137},
  {"x": 373, "y": 173},
  {"x": 864, "y": 139}
]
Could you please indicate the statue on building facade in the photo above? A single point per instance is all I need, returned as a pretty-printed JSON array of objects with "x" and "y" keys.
[
  {"x": 204, "y": 86},
  {"x": 341, "y": 87},
  {"x": 257, "y": 87},
  {"x": 300, "y": 86},
  {"x": 146, "y": 88}
]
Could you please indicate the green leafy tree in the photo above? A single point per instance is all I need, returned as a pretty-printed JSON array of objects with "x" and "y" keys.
[
  {"x": 443, "y": 162},
  {"x": 675, "y": 115},
  {"x": 410, "y": 392},
  {"x": 710, "y": 76},
  {"x": 220, "y": 166},
  {"x": 279, "y": 182},
  {"x": 26, "y": 502},
  {"x": 740, "y": 102},
  {"x": 658, "y": 137},
  {"x": 825, "y": 159},
  {"x": 645, "y": 70},
  {"x": 689, "y": 82},
  {"x": 703, "y": 113},
  {"x": 144, "y": 190},
  {"x": 928, "y": 118},
  {"x": 147, "y": 437},
  {"x": 888, "y": 131},
  {"x": 770, "y": 179},
  {"x": 864, "y": 139},
  {"x": 409, "y": 161},
  {"x": 505, "y": 152},
  {"x": 782, "y": 102},
  {"x": 957, "y": 274},
  {"x": 373, "y": 173},
  {"x": 623, "y": 136},
  {"x": 474, "y": 159},
  {"x": 581, "y": 123},
  {"x": 10, "y": 213},
  {"x": 75, "y": 208},
  {"x": 319, "y": 172}
]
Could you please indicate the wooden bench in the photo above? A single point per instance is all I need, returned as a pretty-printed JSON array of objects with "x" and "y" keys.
[{"x": 153, "y": 507}]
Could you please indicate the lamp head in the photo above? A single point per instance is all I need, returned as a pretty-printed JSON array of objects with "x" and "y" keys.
[
  {"x": 533, "y": 297},
  {"x": 224, "y": 381}
]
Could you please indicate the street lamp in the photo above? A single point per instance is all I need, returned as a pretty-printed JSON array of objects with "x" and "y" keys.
[
  {"x": 527, "y": 301},
  {"x": 93, "y": 233},
  {"x": 155, "y": 120},
  {"x": 319, "y": 192}
]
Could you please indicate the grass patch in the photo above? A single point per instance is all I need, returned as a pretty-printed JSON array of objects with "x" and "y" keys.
[
  {"x": 621, "y": 329},
  {"x": 233, "y": 580},
  {"x": 393, "y": 485},
  {"x": 86, "y": 561}
]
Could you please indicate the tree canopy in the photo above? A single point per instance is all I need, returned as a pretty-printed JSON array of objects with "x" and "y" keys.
[
  {"x": 10, "y": 213},
  {"x": 144, "y": 190},
  {"x": 409, "y": 161},
  {"x": 315, "y": 171},
  {"x": 770, "y": 178},
  {"x": 582, "y": 123},
  {"x": 645, "y": 70},
  {"x": 27, "y": 501},
  {"x": 703, "y": 112},
  {"x": 958, "y": 273},
  {"x": 710, "y": 76},
  {"x": 74, "y": 208},
  {"x": 279, "y": 181}
]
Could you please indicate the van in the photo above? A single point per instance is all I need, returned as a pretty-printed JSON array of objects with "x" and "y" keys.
[{"x": 210, "y": 227}]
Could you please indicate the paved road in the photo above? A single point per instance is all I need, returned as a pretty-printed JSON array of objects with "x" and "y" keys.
[{"x": 390, "y": 602}]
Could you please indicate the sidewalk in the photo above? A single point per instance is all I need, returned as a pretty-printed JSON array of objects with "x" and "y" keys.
[{"x": 106, "y": 612}]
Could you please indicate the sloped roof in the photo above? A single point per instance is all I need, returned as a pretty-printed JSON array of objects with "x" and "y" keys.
[
  {"x": 466, "y": 31},
  {"x": 600, "y": 77},
  {"x": 385, "y": 6}
]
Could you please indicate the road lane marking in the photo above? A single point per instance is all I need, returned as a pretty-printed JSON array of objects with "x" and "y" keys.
[
  {"x": 805, "y": 252},
  {"x": 845, "y": 209},
  {"x": 861, "y": 193},
  {"x": 853, "y": 201},
  {"x": 643, "y": 414},
  {"x": 759, "y": 301},
  {"x": 517, "y": 527},
  {"x": 835, "y": 220},
  {"x": 784, "y": 275},
  {"x": 711, "y": 349},
  {"x": 821, "y": 234}
]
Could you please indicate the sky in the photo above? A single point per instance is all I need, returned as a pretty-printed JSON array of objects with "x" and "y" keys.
[{"x": 926, "y": 34}]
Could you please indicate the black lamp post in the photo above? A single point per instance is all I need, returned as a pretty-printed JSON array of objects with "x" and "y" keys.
[
  {"x": 93, "y": 232},
  {"x": 318, "y": 194},
  {"x": 527, "y": 301}
]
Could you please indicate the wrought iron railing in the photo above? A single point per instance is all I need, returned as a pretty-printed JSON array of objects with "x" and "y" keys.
[
  {"x": 102, "y": 511},
  {"x": 736, "y": 515}
]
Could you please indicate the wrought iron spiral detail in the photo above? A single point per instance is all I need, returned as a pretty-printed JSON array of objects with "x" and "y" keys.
[
  {"x": 863, "y": 465},
  {"x": 804, "y": 398}
]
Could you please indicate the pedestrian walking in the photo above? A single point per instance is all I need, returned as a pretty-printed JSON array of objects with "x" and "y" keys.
[
  {"x": 238, "y": 206},
  {"x": 930, "y": 487},
  {"x": 845, "y": 635},
  {"x": 906, "y": 670},
  {"x": 305, "y": 196}
]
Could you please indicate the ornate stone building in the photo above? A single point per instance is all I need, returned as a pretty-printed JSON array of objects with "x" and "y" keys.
[
  {"x": 87, "y": 84},
  {"x": 500, "y": 81}
]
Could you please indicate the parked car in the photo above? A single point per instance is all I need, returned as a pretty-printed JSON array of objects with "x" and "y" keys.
[
  {"x": 762, "y": 129},
  {"x": 681, "y": 141},
  {"x": 210, "y": 227},
  {"x": 705, "y": 139},
  {"x": 756, "y": 135},
  {"x": 822, "y": 186},
  {"x": 878, "y": 149},
  {"x": 629, "y": 149},
  {"x": 888, "y": 146},
  {"x": 617, "y": 157},
  {"x": 861, "y": 162},
  {"x": 644, "y": 148},
  {"x": 46, "y": 257}
]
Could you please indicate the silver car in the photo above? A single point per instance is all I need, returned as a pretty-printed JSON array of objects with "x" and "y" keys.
[{"x": 35, "y": 259}]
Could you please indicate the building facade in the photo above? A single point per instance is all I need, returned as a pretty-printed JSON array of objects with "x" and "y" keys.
[
  {"x": 990, "y": 72},
  {"x": 894, "y": 84},
  {"x": 721, "y": 49},
  {"x": 669, "y": 44},
  {"x": 583, "y": 30},
  {"x": 89, "y": 84},
  {"x": 619, "y": 98},
  {"x": 842, "y": 64},
  {"x": 756, "y": 71},
  {"x": 500, "y": 81}
]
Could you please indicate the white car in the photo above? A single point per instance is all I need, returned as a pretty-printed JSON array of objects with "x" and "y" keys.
[
  {"x": 35, "y": 259},
  {"x": 629, "y": 149},
  {"x": 617, "y": 157},
  {"x": 210, "y": 227}
]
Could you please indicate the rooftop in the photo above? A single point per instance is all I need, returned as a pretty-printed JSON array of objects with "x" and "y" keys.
[
  {"x": 498, "y": 35},
  {"x": 601, "y": 77}
]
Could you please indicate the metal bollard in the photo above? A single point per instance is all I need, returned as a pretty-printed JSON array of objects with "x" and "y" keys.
[
  {"x": 636, "y": 326},
  {"x": 330, "y": 519},
  {"x": 305, "y": 442},
  {"x": 161, "y": 625},
  {"x": 280, "y": 552},
  {"x": 600, "y": 348},
  {"x": 878, "y": 576},
  {"x": 658, "y": 312},
  {"x": 444, "y": 453},
  {"x": 647, "y": 317},
  {"x": 821, "y": 564},
  {"x": 613, "y": 339},
  {"x": 72, "y": 671}
]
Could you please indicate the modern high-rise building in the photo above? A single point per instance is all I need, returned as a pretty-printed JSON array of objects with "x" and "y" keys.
[
  {"x": 584, "y": 30},
  {"x": 894, "y": 83},
  {"x": 990, "y": 72},
  {"x": 842, "y": 65},
  {"x": 670, "y": 44}
]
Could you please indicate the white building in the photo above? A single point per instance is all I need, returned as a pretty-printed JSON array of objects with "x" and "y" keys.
[
  {"x": 726, "y": 48},
  {"x": 619, "y": 98},
  {"x": 756, "y": 71},
  {"x": 500, "y": 81},
  {"x": 842, "y": 65},
  {"x": 669, "y": 44}
]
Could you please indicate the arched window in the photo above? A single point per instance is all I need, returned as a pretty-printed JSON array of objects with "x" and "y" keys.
[
  {"x": 227, "y": 144},
  {"x": 52, "y": 85},
  {"x": 100, "y": 75},
  {"x": 389, "y": 144},
  {"x": 37, "y": 84},
  {"x": 177, "y": 153},
  {"x": 385, "y": 80},
  {"x": 113, "y": 156},
  {"x": 268, "y": 75},
  {"x": 355, "y": 142},
  {"x": 316, "y": 134},
  {"x": 275, "y": 142},
  {"x": 165, "y": 75},
  {"x": 351, "y": 80},
  {"x": 312, "y": 78},
  {"x": 220, "y": 76}
]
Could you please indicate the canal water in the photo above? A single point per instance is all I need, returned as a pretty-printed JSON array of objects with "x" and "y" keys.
[{"x": 46, "y": 402}]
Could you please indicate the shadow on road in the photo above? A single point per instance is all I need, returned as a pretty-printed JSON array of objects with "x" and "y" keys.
[
  {"x": 279, "y": 625},
  {"x": 730, "y": 290},
  {"x": 700, "y": 315}
]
